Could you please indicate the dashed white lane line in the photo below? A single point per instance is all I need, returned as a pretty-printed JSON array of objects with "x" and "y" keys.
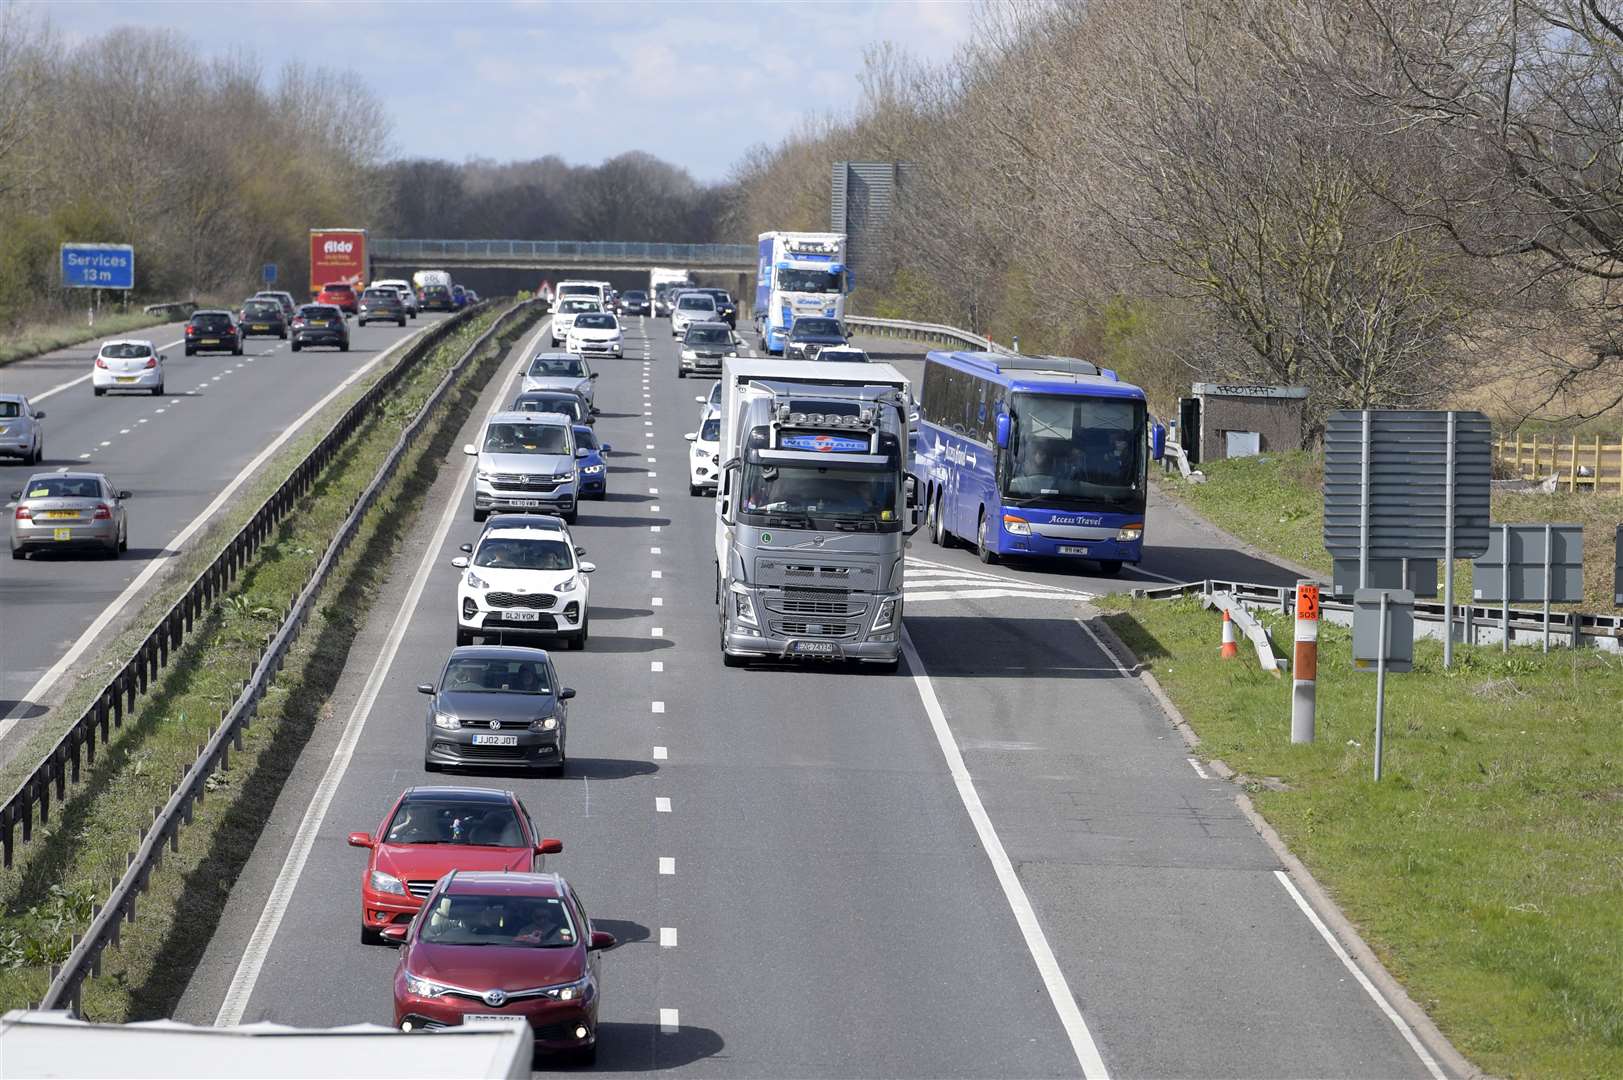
[
  {"x": 653, "y": 551},
  {"x": 669, "y": 1022},
  {"x": 653, "y": 528},
  {"x": 159, "y": 412},
  {"x": 656, "y": 665},
  {"x": 1014, "y": 893},
  {"x": 123, "y": 431},
  {"x": 652, "y": 461},
  {"x": 84, "y": 457},
  {"x": 658, "y": 631},
  {"x": 653, "y": 509},
  {"x": 656, "y": 573},
  {"x": 652, "y": 475},
  {"x": 667, "y": 865},
  {"x": 660, "y": 753},
  {"x": 144, "y": 419},
  {"x": 659, "y": 706},
  {"x": 106, "y": 442},
  {"x": 662, "y": 804},
  {"x": 667, "y": 937},
  {"x": 658, "y": 601},
  {"x": 1363, "y": 980},
  {"x": 1194, "y": 763},
  {"x": 651, "y": 491}
]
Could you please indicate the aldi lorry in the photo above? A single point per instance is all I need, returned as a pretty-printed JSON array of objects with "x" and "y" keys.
[
  {"x": 813, "y": 508},
  {"x": 339, "y": 255},
  {"x": 798, "y": 274}
]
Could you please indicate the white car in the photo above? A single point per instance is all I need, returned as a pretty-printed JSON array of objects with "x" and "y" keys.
[
  {"x": 709, "y": 402},
  {"x": 521, "y": 582},
  {"x": 563, "y": 316},
  {"x": 704, "y": 454},
  {"x": 130, "y": 364},
  {"x": 692, "y": 307},
  {"x": 842, "y": 354},
  {"x": 408, "y": 295},
  {"x": 595, "y": 333}
]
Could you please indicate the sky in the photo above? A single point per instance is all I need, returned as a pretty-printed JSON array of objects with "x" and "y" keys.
[{"x": 691, "y": 81}]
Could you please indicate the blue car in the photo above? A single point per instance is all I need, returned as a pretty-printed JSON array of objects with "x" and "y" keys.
[
  {"x": 459, "y": 296},
  {"x": 594, "y": 468}
]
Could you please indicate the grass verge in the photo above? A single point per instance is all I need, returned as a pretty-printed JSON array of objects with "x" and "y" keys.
[
  {"x": 47, "y": 337},
  {"x": 46, "y": 896},
  {"x": 1485, "y": 869},
  {"x": 1275, "y": 502}
]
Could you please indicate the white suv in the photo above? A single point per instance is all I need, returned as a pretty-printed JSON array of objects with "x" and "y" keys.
[
  {"x": 523, "y": 581},
  {"x": 564, "y": 312}
]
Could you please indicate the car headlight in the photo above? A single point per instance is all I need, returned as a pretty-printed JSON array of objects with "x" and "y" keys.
[
  {"x": 1129, "y": 533},
  {"x": 886, "y": 617},
  {"x": 591, "y": 470},
  {"x": 1016, "y": 526},
  {"x": 477, "y": 582},
  {"x": 743, "y": 606},
  {"x": 568, "y": 584},
  {"x": 569, "y": 991},
  {"x": 732, "y": 356},
  {"x": 689, "y": 354},
  {"x": 385, "y": 883},
  {"x": 424, "y": 987},
  {"x": 446, "y": 720},
  {"x": 564, "y": 476},
  {"x": 485, "y": 475},
  {"x": 549, "y": 723}
]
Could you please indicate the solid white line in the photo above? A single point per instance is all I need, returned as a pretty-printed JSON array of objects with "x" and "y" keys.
[
  {"x": 669, "y": 1021},
  {"x": 662, "y": 805},
  {"x": 661, "y": 753},
  {"x": 1363, "y": 980},
  {"x": 667, "y": 937},
  {"x": 1158, "y": 577},
  {"x": 1194, "y": 763},
  {"x": 667, "y": 865},
  {"x": 281, "y": 893},
  {"x": 1059, "y": 991},
  {"x": 137, "y": 586},
  {"x": 653, "y": 528},
  {"x": 1114, "y": 659}
]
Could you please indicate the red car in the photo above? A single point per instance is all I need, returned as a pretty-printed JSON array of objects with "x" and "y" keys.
[
  {"x": 340, "y": 294},
  {"x": 431, "y": 831},
  {"x": 493, "y": 945}
]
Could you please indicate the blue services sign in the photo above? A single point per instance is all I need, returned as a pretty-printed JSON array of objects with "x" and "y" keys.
[
  {"x": 98, "y": 266},
  {"x": 826, "y": 444},
  {"x": 270, "y": 273}
]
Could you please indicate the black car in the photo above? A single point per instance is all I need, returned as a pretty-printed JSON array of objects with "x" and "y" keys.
[
  {"x": 810, "y": 334},
  {"x": 555, "y": 401},
  {"x": 726, "y": 306},
  {"x": 500, "y": 705},
  {"x": 635, "y": 302},
  {"x": 381, "y": 305},
  {"x": 213, "y": 331},
  {"x": 438, "y": 298},
  {"x": 262, "y": 315},
  {"x": 320, "y": 324}
]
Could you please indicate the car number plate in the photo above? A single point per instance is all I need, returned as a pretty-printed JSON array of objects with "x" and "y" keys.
[
  {"x": 526, "y": 502},
  {"x": 126, "y": 378},
  {"x": 261, "y": 326},
  {"x": 495, "y": 740},
  {"x": 815, "y": 648},
  {"x": 1072, "y": 549},
  {"x": 318, "y": 322},
  {"x": 61, "y": 513},
  {"x": 209, "y": 341},
  {"x": 468, "y": 1018},
  {"x": 62, "y": 534},
  {"x": 522, "y": 616}
]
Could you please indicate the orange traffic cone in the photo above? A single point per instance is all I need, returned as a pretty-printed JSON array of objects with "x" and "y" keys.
[{"x": 1231, "y": 647}]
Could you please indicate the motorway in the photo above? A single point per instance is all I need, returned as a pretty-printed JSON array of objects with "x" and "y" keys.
[
  {"x": 183, "y": 456},
  {"x": 999, "y": 862}
]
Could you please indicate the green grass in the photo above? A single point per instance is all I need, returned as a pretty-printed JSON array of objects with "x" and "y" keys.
[
  {"x": 1276, "y": 503},
  {"x": 1486, "y": 869},
  {"x": 33, "y": 341},
  {"x": 46, "y": 895}
]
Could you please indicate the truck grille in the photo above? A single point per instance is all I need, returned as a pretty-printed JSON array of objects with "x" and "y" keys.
[
  {"x": 813, "y": 572},
  {"x": 787, "y": 628},
  {"x": 803, "y": 601},
  {"x": 540, "y": 602}
]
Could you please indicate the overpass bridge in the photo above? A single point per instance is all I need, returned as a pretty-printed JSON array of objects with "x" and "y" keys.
[{"x": 562, "y": 255}]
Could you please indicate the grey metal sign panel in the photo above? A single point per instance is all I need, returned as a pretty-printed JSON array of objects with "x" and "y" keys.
[
  {"x": 1617, "y": 579},
  {"x": 1387, "y": 574},
  {"x": 1408, "y": 483},
  {"x": 1399, "y": 629},
  {"x": 1526, "y": 574}
]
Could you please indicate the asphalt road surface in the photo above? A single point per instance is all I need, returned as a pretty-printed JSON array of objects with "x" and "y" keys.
[
  {"x": 179, "y": 455},
  {"x": 999, "y": 862}
]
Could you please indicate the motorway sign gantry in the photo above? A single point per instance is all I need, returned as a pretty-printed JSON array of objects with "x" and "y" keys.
[{"x": 98, "y": 266}]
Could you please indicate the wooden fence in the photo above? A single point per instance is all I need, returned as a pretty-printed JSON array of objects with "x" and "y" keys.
[{"x": 1581, "y": 463}]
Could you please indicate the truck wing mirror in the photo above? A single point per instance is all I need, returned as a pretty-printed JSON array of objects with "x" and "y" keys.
[
  {"x": 1158, "y": 441},
  {"x": 1003, "y": 431},
  {"x": 915, "y": 512}
]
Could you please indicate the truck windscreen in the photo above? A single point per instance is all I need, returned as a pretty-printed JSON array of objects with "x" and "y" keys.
[
  {"x": 810, "y": 281},
  {"x": 819, "y": 496}
]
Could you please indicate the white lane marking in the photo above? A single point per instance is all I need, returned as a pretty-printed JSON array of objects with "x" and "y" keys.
[
  {"x": 647, "y": 423},
  {"x": 653, "y": 528},
  {"x": 59, "y": 387},
  {"x": 652, "y": 461},
  {"x": 653, "y": 551},
  {"x": 659, "y": 706},
  {"x": 143, "y": 419},
  {"x": 281, "y": 894},
  {"x": 656, "y": 573},
  {"x": 137, "y": 586},
  {"x": 662, "y": 805},
  {"x": 658, "y": 631},
  {"x": 1194, "y": 763},
  {"x": 1158, "y": 577},
  {"x": 1059, "y": 991},
  {"x": 123, "y": 431},
  {"x": 106, "y": 442},
  {"x": 661, "y": 753},
  {"x": 667, "y": 865},
  {"x": 653, "y": 491},
  {"x": 667, "y": 937},
  {"x": 654, "y": 509},
  {"x": 921, "y": 569},
  {"x": 656, "y": 665},
  {"x": 1363, "y": 980},
  {"x": 652, "y": 475},
  {"x": 159, "y": 412},
  {"x": 82, "y": 457},
  {"x": 669, "y": 1022}
]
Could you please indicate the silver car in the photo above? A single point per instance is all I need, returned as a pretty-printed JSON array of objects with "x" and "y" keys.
[
  {"x": 561, "y": 371},
  {"x": 526, "y": 462},
  {"x": 21, "y": 434},
  {"x": 69, "y": 510},
  {"x": 692, "y": 307}
]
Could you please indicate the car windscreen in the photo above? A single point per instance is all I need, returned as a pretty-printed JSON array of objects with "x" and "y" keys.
[
  {"x": 719, "y": 296},
  {"x": 573, "y": 306},
  {"x": 539, "y": 922},
  {"x": 696, "y": 303},
  {"x": 585, "y": 437},
  {"x": 569, "y": 406},
  {"x": 708, "y": 335},
  {"x": 262, "y": 308},
  {"x": 211, "y": 322},
  {"x": 338, "y": 287},
  {"x": 126, "y": 350},
  {"x": 711, "y": 431},
  {"x": 595, "y": 321},
  {"x": 818, "y": 327},
  {"x": 517, "y": 438},
  {"x": 558, "y": 365},
  {"x": 62, "y": 487},
  {"x": 636, "y": 294},
  {"x": 10, "y": 410},
  {"x": 524, "y": 553},
  {"x": 435, "y": 290},
  {"x": 319, "y": 311},
  {"x": 450, "y": 820},
  {"x": 380, "y": 294}
]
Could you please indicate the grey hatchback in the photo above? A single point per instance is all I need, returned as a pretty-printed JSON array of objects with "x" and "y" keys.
[
  {"x": 381, "y": 305},
  {"x": 69, "y": 510},
  {"x": 496, "y": 705}
]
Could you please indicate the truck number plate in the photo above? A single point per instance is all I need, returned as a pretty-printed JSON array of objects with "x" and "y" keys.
[
  {"x": 1072, "y": 549},
  {"x": 495, "y": 740},
  {"x": 815, "y": 648}
]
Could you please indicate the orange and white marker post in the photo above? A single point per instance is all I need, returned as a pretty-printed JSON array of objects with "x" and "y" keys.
[
  {"x": 1305, "y": 665},
  {"x": 1231, "y": 645}
]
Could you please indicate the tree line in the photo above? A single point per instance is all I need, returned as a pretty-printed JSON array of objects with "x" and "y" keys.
[{"x": 1393, "y": 202}]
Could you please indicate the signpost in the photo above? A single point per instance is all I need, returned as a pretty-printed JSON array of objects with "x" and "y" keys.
[
  {"x": 270, "y": 273},
  {"x": 1617, "y": 573},
  {"x": 1525, "y": 563},
  {"x": 1383, "y": 637},
  {"x": 98, "y": 266},
  {"x": 1305, "y": 663}
]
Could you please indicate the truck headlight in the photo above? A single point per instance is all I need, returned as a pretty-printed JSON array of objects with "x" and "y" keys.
[
  {"x": 743, "y": 606},
  {"x": 886, "y": 618},
  {"x": 1129, "y": 533},
  {"x": 1016, "y": 526}
]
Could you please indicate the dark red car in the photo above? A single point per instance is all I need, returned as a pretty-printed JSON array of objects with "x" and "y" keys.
[
  {"x": 494, "y": 945},
  {"x": 431, "y": 831},
  {"x": 340, "y": 294}
]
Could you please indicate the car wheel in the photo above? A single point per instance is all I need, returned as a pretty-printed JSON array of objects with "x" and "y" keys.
[
  {"x": 729, "y": 660},
  {"x": 296, "y": 345},
  {"x": 464, "y": 637},
  {"x": 681, "y": 373},
  {"x": 360, "y": 322},
  {"x": 695, "y": 489},
  {"x": 940, "y": 535},
  {"x": 982, "y": 552},
  {"x": 112, "y": 549},
  {"x": 157, "y": 391},
  {"x": 587, "y": 1057},
  {"x": 432, "y": 766},
  {"x": 18, "y": 553},
  {"x": 191, "y": 352},
  {"x": 480, "y": 515},
  {"x": 100, "y": 391},
  {"x": 370, "y": 937},
  {"x": 124, "y": 540},
  {"x": 572, "y": 516},
  {"x": 283, "y": 335},
  {"x": 236, "y": 350},
  {"x": 39, "y": 452},
  {"x": 1109, "y": 567},
  {"x": 402, "y": 321},
  {"x": 343, "y": 346}
]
